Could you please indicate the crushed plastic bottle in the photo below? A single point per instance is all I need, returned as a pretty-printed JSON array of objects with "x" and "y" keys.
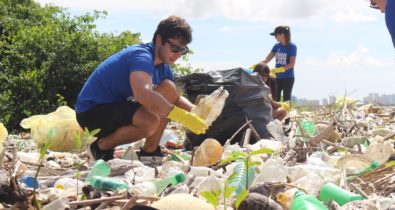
[
  {"x": 60, "y": 203},
  {"x": 156, "y": 187},
  {"x": 272, "y": 170},
  {"x": 210, "y": 107},
  {"x": 302, "y": 201},
  {"x": 338, "y": 194}
]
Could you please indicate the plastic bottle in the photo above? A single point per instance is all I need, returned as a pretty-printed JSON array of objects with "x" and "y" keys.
[
  {"x": 100, "y": 168},
  {"x": 200, "y": 171},
  {"x": 273, "y": 170},
  {"x": 69, "y": 184},
  {"x": 240, "y": 181},
  {"x": 306, "y": 202},
  {"x": 369, "y": 168},
  {"x": 30, "y": 182},
  {"x": 60, "y": 203},
  {"x": 156, "y": 187},
  {"x": 338, "y": 194},
  {"x": 309, "y": 127},
  {"x": 106, "y": 183}
]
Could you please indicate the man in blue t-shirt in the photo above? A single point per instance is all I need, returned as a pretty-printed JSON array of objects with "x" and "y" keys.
[
  {"x": 132, "y": 95},
  {"x": 387, "y": 6}
]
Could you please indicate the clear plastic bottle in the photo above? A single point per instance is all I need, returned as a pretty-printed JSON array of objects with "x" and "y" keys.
[
  {"x": 60, "y": 203},
  {"x": 106, "y": 183},
  {"x": 302, "y": 201},
  {"x": 69, "y": 184},
  {"x": 156, "y": 187},
  {"x": 338, "y": 194},
  {"x": 210, "y": 107},
  {"x": 272, "y": 170}
]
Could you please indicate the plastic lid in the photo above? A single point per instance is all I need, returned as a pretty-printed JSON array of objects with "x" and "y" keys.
[{"x": 180, "y": 177}]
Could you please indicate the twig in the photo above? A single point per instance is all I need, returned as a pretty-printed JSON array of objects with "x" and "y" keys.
[
  {"x": 389, "y": 136},
  {"x": 358, "y": 190},
  {"x": 340, "y": 147},
  {"x": 234, "y": 135},
  {"x": 109, "y": 199},
  {"x": 133, "y": 200},
  {"x": 254, "y": 132},
  {"x": 247, "y": 137}
]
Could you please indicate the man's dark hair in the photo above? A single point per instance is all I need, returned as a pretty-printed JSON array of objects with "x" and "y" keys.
[{"x": 174, "y": 27}]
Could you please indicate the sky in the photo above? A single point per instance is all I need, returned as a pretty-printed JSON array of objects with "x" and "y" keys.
[{"x": 343, "y": 45}]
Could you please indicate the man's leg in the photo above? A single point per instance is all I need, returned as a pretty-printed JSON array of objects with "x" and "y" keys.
[{"x": 169, "y": 91}]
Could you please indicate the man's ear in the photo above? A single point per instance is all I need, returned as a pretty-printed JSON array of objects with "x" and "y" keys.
[{"x": 159, "y": 40}]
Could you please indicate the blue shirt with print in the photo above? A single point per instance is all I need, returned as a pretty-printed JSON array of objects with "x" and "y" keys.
[
  {"x": 110, "y": 83},
  {"x": 282, "y": 53},
  {"x": 390, "y": 18}
]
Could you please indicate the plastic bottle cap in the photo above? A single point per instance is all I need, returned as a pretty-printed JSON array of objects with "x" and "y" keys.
[
  {"x": 375, "y": 164},
  {"x": 59, "y": 186},
  {"x": 180, "y": 177}
]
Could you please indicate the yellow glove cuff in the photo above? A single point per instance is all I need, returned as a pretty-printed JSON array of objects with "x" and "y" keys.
[{"x": 285, "y": 106}]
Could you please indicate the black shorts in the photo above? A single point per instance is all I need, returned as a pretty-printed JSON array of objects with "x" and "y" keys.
[{"x": 108, "y": 117}]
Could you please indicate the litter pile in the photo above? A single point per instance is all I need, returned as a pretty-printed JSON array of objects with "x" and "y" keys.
[{"x": 334, "y": 157}]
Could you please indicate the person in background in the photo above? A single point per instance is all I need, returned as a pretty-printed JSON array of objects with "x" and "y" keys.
[
  {"x": 285, "y": 55},
  {"x": 132, "y": 95},
  {"x": 388, "y": 7},
  {"x": 280, "y": 109}
]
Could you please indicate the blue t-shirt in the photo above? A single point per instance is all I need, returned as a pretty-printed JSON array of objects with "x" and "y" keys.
[
  {"x": 282, "y": 53},
  {"x": 390, "y": 18},
  {"x": 110, "y": 82}
]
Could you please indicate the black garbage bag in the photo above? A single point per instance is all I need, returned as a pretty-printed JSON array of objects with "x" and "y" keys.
[{"x": 248, "y": 98}]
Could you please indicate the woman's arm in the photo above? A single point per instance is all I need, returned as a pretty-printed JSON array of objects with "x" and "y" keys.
[{"x": 268, "y": 58}]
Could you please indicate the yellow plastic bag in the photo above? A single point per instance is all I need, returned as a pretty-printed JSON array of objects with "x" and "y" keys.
[
  {"x": 59, "y": 128},
  {"x": 3, "y": 135}
]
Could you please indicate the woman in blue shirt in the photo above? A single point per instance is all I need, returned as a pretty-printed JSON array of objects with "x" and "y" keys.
[{"x": 285, "y": 53}]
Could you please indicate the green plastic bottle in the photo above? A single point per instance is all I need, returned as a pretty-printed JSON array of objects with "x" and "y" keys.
[
  {"x": 107, "y": 184},
  {"x": 372, "y": 166},
  {"x": 100, "y": 168},
  {"x": 302, "y": 201},
  {"x": 309, "y": 127},
  {"x": 338, "y": 194},
  {"x": 161, "y": 185}
]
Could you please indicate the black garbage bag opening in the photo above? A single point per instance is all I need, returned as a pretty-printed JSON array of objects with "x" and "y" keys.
[{"x": 248, "y": 98}]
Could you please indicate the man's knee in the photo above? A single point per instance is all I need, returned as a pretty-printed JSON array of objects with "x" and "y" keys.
[
  {"x": 147, "y": 121},
  {"x": 168, "y": 90}
]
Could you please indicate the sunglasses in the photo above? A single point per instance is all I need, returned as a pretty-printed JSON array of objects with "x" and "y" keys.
[
  {"x": 175, "y": 48},
  {"x": 374, "y": 5}
]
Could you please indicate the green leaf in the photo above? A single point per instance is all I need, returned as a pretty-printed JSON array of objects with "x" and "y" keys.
[
  {"x": 43, "y": 150},
  {"x": 261, "y": 151},
  {"x": 240, "y": 197},
  {"x": 227, "y": 160},
  {"x": 255, "y": 163},
  {"x": 229, "y": 190},
  {"x": 210, "y": 197},
  {"x": 231, "y": 177}
]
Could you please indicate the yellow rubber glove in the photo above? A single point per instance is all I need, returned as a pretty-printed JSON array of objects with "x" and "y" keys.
[
  {"x": 253, "y": 66},
  {"x": 285, "y": 106},
  {"x": 191, "y": 121},
  {"x": 273, "y": 71}
]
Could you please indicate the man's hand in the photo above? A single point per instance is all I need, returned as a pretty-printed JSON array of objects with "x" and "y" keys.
[
  {"x": 191, "y": 121},
  {"x": 285, "y": 106},
  {"x": 273, "y": 71}
]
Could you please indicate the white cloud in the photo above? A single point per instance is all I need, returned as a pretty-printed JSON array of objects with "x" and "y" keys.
[
  {"x": 251, "y": 10},
  {"x": 359, "y": 57}
]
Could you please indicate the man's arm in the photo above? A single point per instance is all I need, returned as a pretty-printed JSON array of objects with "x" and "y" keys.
[{"x": 141, "y": 84}]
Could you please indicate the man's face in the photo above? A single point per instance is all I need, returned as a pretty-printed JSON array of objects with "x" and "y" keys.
[
  {"x": 378, "y": 4},
  {"x": 171, "y": 50}
]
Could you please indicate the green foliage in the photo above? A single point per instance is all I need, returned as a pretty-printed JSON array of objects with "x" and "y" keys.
[
  {"x": 183, "y": 70},
  {"x": 46, "y": 55},
  {"x": 213, "y": 196}
]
